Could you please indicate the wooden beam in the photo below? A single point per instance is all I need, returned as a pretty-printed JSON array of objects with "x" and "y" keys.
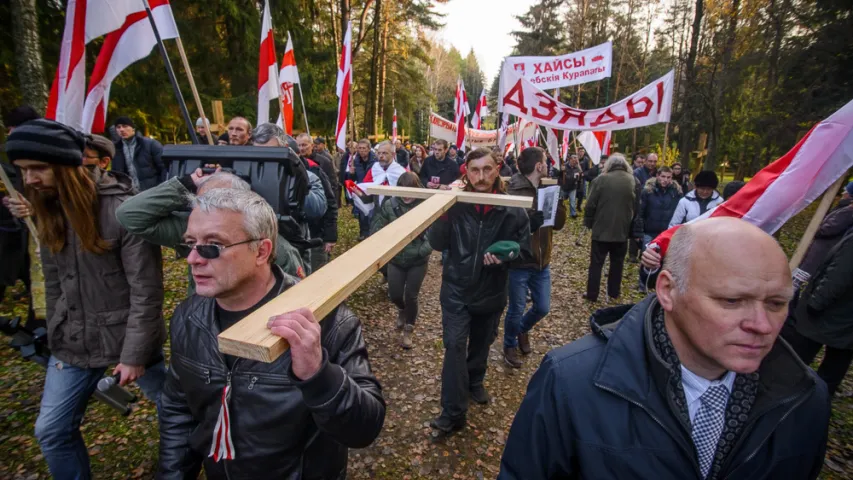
[
  {"x": 464, "y": 197},
  {"x": 10, "y": 189},
  {"x": 326, "y": 288}
]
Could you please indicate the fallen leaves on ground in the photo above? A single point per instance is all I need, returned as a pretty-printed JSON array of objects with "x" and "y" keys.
[{"x": 126, "y": 447}]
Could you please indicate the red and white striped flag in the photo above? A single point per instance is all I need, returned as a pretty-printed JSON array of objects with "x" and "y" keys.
[
  {"x": 85, "y": 20},
  {"x": 502, "y": 131},
  {"x": 287, "y": 77},
  {"x": 394, "y": 127},
  {"x": 131, "y": 43},
  {"x": 564, "y": 151},
  {"x": 788, "y": 185},
  {"x": 481, "y": 111},
  {"x": 553, "y": 144},
  {"x": 460, "y": 106},
  {"x": 595, "y": 143},
  {"x": 343, "y": 86},
  {"x": 267, "y": 68}
]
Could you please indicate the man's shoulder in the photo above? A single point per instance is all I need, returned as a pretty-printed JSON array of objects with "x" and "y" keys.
[{"x": 575, "y": 364}]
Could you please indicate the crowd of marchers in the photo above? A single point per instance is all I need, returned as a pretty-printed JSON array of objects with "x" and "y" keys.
[{"x": 706, "y": 378}]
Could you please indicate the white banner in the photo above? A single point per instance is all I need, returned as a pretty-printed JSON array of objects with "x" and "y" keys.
[
  {"x": 648, "y": 106},
  {"x": 440, "y": 127},
  {"x": 570, "y": 69}
]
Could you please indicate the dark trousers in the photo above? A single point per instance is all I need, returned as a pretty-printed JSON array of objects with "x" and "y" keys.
[
  {"x": 363, "y": 224},
  {"x": 319, "y": 257},
  {"x": 467, "y": 339},
  {"x": 835, "y": 362},
  {"x": 633, "y": 249},
  {"x": 403, "y": 288},
  {"x": 598, "y": 253}
]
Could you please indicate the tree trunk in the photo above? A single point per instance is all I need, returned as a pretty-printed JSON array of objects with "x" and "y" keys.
[
  {"x": 383, "y": 68},
  {"x": 373, "y": 85},
  {"x": 28, "y": 54},
  {"x": 345, "y": 17},
  {"x": 712, "y": 159},
  {"x": 685, "y": 127}
]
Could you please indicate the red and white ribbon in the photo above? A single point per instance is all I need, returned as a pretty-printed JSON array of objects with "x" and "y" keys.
[{"x": 222, "y": 447}]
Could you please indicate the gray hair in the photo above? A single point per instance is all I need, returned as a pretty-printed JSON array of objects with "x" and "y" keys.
[
  {"x": 677, "y": 260},
  {"x": 226, "y": 178},
  {"x": 615, "y": 161},
  {"x": 382, "y": 144},
  {"x": 259, "y": 220},
  {"x": 652, "y": 155},
  {"x": 265, "y": 132}
]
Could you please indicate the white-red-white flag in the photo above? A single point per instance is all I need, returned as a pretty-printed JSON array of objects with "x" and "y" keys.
[
  {"x": 85, "y": 20},
  {"x": 130, "y": 43},
  {"x": 287, "y": 77},
  {"x": 460, "y": 106},
  {"x": 553, "y": 144},
  {"x": 267, "y": 68},
  {"x": 502, "y": 131},
  {"x": 595, "y": 143},
  {"x": 343, "y": 87},
  {"x": 65, "y": 104},
  {"x": 564, "y": 151},
  {"x": 481, "y": 111},
  {"x": 787, "y": 186},
  {"x": 394, "y": 127}
]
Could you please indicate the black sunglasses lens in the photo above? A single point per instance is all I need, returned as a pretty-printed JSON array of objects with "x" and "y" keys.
[{"x": 207, "y": 251}]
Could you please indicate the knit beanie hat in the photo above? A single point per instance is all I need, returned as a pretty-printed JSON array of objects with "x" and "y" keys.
[
  {"x": 46, "y": 141},
  {"x": 706, "y": 178},
  {"x": 849, "y": 189},
  {"x": 122, "y": 120}
]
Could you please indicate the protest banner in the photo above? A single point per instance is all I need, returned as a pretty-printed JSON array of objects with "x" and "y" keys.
[
  {"x": 588, "y": 65},
  {"x": 440, "y": 127},
  {"x": 648, "y": 106}
]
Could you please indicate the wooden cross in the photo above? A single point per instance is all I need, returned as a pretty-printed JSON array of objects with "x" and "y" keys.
[{"x": 329, "y": 286}]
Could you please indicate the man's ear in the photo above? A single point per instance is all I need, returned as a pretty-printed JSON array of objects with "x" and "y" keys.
[
  {"x": 264, "y": 252},
  {"x": 104, "y": 163},
  {"x": 666, "y": 290}
]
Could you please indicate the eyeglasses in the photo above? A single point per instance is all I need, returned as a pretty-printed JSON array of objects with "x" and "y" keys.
[{"x": 212, "y": 251}]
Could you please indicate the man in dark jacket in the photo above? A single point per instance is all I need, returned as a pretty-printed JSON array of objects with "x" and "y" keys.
[
  {"x": 326, "y": 228},
  {"x": 359, "y": 165},
  {"x": 586, "y": 164},
  {"x": 138, "y": 157},
  {"x": 292, "y": 418},
  {"x": 531, "y": 273},
  {"x": 648, "y": 170},
  {"x": 438, "y": 170},
  {"x": 658, "y": 200},
  {"x": 454, "y": 155},
  {"x": 609, "y": 212},
  {"x": 402, "y": 154},
  {"x": 572, "y": 183},
  {"x": 103, "y": 288},
  {"x": 473, "y": 286},
  {"x": 692, "y": 383}
]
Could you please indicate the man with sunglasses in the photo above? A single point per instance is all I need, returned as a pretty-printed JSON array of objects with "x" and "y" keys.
[
  {"x": 238, "y": 418},
  {"x": 159, "y": 215}
]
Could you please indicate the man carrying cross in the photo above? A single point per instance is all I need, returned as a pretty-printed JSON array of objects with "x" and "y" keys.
[{"x": 481, "y": 239}]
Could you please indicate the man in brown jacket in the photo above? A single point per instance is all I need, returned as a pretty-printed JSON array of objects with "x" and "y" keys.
[
  {"x": 532, "y": 271},
  {"x": 104, "y": 288}
]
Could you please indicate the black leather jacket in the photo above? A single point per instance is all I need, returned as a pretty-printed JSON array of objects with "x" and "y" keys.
[
  {"x": 281, "y": 427},
  {"x": 467, "y": 232}
]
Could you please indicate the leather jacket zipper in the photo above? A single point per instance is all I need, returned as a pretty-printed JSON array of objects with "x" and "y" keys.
[
  {"x": 690, "y": 451},
  {"x": 743, "y": 435}
]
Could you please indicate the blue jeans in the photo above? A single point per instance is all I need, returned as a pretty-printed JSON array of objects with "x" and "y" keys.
[
  {"x": 572, "y": 196},
  {"x": 66, "y": 393},
  {"x": 522, "y": 280}
]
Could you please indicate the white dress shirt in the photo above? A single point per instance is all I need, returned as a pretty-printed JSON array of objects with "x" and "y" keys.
[{"x": 694, "y": 386}]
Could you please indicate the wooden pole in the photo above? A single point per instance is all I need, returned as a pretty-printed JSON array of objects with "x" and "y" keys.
[
  {"x": 14, "y": 194},
  {"x": 196, "y": 98},
  {"x": 815, "y": 222},
  {"x": 665, "y": 142},
  {"x": 304, "y": 112}
]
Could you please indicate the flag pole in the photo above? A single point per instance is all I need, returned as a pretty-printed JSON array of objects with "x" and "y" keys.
[
  {"x": 196, "y": 98},
  {"x": 10, "y": 188},
  {"x": 814, "y": 224},
  {"x": 665, "y": 142},
  {"x": 183, "y": 106},
  {"x": 304, "y": 112}
]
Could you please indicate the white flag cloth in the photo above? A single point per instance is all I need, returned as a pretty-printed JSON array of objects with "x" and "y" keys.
[
  {"x": 596, "y": 144},
  {"x": 267, "y": 68},
  {"x": 342, "y": 89},
  {"x": 130, "y": 43}
]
